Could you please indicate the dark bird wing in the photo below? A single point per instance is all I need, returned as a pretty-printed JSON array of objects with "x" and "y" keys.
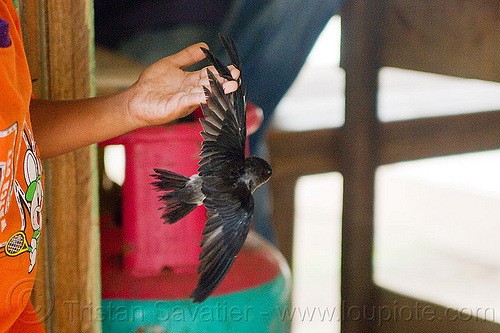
[
  {"x": 230, "y": 212},
  {"x": 228, "y": 201},
  {"x": 224, "y": 130},
  {"x": 224, "y": 126}
]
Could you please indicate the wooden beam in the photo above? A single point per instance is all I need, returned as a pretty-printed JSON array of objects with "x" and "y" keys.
[
  {"x": 360, "y": 146},
  {"x": 439, "y": 136},
  {"x": 294, "y": 154},
  {"x": 61, "y": 59},
  {"x": 451, "y": 37},
  {"x": 283, "y": 214},
  {"x": 32, "y": 22},
  {"x": 72, "y": 216}
]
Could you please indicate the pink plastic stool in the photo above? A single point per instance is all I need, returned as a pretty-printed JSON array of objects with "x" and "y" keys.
[{"x": 149, "y": 245}]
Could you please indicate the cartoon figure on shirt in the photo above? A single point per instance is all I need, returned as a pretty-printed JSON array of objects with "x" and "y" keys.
[{"x": 30, "y": 201}]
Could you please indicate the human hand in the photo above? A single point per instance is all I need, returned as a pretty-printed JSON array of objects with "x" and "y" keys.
[{"x": 165, "y": 92}]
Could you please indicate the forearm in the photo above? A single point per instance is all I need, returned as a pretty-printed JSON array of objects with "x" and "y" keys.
[{"x": 63, "y": 126}]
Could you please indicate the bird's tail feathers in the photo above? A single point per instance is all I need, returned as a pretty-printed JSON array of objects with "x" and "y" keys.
[
  {"x": 174, "y": 209},
  {"x": 168, "y": 180}
]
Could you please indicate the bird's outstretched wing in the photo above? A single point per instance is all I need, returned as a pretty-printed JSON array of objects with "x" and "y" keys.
[
  {"x": 224, "y": 126},
  {"x": 229, "y": 203},
  {"x": 230, "y": 212}
]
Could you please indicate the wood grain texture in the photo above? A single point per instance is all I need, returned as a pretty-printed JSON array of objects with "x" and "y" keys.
[
  {"x": 439, "y": 136},
  {"x": 31, "y": 18},
  {"x": 59, "y": 46},
  {"x": 451, "y": 37}
]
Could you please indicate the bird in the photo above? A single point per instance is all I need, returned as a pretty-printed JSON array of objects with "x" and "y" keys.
[{"x": 225, "y": 181}]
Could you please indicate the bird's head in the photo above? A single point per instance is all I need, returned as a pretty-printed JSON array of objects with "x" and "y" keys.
[{"x": 258, "y": 170}]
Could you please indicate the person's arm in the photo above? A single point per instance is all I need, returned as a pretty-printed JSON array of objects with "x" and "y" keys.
[{"x": 163, "y": 93}]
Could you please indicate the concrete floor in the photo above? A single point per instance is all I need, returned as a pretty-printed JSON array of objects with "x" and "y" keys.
[{"x": 437, "y": 220}]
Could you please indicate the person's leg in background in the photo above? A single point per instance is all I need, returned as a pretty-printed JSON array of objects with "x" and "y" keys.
[{"x": 274, "y": 38}]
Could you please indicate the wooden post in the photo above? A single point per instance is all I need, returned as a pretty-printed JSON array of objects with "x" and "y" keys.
[
  {"x": 59, "y": 43},
  {"x": 360, "y": 146}
]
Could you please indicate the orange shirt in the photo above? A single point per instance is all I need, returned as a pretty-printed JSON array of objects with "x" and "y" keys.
[{"x": 21, "y": 184}]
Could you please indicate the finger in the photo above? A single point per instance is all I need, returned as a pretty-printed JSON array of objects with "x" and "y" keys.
[
  {"x": 227, "y": 86},
  {"x": 190, "y": 102},
  {"x": 188, "y": 56},
  {"x": 196, "y": 95},
  {"x": 235, "y": 72},
  {"x": 204, "y": 80},
  {"x": 201, "y": 77},
  {"x": 184, "y": 105},
  {"x": 230, "y": 86}
]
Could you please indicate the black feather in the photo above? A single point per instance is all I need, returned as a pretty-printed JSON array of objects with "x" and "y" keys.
[
  {"x": 221, "y": 69},
  {"x": 230, "y": 47},
  {"x": 171, "y": 182},
  {"x": 168, "y": 180},
  {"x": 176, "y": 210}
]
